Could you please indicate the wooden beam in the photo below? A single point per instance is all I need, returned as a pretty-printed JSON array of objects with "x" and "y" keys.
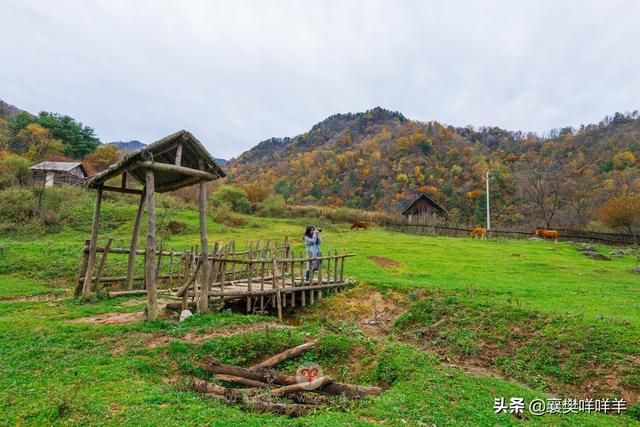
[
  {"x": 131, "y": 263},
  {"x": 165, "y": 167},
  {"x": 86, "y": 286},
  {"x": 150, "y": 274},
  {"x": 103, "y": 261},
  {"x": 203, "y": 302},
  {"x": 121, "y": 190},
  {"x": 184, "y": 182},
  {"x": 179, "y": 154}
]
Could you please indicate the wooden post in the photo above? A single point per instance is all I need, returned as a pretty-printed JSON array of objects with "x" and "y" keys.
[
  {"x": 283, "y": 285},
  {"x": 233, "y": 251},
  {"x": 249, "y": 271},
  {"x": 261, "y": 284},
  {"x": 203, "y": 303},
  {"x": 293, "y": 281},
  {"x": 277, "y": 288},
  {"x": 320, "y": 279},
  {"x": 83, "y": 267},
  {"x": 171, "y": 268},
  {"x": 335, "y": 267},
  {"x": 103, "y": 260},
  {"x": 303, "y": 293},
  {"x": 86, "y": 286},
  {"x": 342, "y": 269},
  {"x": 179, "y": 154},
  {"x": 150, "y": 274},
  {"x": 134, "y": 242},
  {"x": 159, "y": 262}
]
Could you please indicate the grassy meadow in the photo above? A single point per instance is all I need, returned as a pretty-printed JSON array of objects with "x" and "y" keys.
[{"x": 457, "y": 323}]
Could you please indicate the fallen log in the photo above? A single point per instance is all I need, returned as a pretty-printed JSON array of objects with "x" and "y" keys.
[
  {"x": 244, "y": 399},
  {"x": 269, "y": 376},
  {"x": 213, "y": 365},
  {"x": 242, "y": 381},
  {"x": 287, "y": 354},
  {"x": 304, "y": 386},
  {"x": 205, "y": 387}
]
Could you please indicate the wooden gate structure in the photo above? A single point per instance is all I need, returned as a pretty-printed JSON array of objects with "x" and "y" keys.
[{"x": 176, "y": 161}]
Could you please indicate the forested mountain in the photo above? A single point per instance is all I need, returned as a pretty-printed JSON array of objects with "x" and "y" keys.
[
  {"x": 127, "y": 146},
  {"x": 37, "y": 137},
  {"x": 8, "y": 110},
  {"x": 379, "y": 160}
]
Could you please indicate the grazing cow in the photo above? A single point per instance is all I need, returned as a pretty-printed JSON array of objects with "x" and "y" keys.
[
  {"x": 551, "y": 234},
  {"x": 479, "y": 233},
  {"x": 360, "y": 224}
]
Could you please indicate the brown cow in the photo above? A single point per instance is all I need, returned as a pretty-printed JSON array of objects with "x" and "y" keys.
[
  {"x": 552, "y": 234},
  {"x": 479, "y": 233},
  {"x": 360, "y": 224}
]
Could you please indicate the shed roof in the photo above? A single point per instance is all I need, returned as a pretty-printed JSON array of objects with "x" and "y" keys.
[
  {"x": 56, "y": 166},
  {"x": 163, "y": 151},
  {"x": 432, "y": 202}
]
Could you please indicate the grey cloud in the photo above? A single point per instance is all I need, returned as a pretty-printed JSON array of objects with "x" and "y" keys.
[{"x": 237, "y": 72}]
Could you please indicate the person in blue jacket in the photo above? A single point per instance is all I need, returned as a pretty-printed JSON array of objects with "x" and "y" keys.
[{"x": 312, "y": 242}]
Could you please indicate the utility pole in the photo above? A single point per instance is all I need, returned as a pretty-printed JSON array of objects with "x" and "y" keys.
[{"x": 488, "y": 212}]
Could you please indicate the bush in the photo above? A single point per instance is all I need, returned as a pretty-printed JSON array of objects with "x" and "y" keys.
[
  {"x": 16, "y": 204},
  {"x": 223, "y": 214},
  {"x": 274, "y": 206},
  {"x": 176, "y": 227},
  {"x": 235, "y": 198},
  {"x": 14, "y": 170}
]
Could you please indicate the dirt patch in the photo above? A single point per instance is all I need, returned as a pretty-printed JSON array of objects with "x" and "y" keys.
[
  {"x": 371, "y": 310},
  {"x": 385, "y": 262},
  {"x": 111, "y": 318},
  {"x": 158, "y": 340},
  {"x": 43, "y": 297}
]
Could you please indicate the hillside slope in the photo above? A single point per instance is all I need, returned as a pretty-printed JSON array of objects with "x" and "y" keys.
[{"x": 380, "y": 159}]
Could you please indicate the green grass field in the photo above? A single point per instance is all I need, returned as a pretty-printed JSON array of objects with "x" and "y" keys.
[{"x": 529, "y": 312}]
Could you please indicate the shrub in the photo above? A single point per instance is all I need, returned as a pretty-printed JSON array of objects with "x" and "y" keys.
[
  {"x": 223, "y": 214},
  {"x": 176, "y": 227},
  {"x": 274, "y": 205},
  {"x": 235, "y": 198},
  {"x": 14, "y": 170},
  {"x": 16, "y": 204}
]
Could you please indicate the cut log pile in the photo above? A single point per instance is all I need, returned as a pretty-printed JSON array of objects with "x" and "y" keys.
[{"x": 268, "y": 390}]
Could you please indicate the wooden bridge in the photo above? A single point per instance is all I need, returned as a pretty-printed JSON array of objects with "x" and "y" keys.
[{"x": 262, "y": 276}]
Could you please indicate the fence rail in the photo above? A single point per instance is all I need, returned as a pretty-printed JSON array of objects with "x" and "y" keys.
[{"x": 566, "y": 234}]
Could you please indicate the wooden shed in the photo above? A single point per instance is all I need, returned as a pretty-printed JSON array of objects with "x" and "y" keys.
[
  {"x": 173, "y": 162},
  {"x": 422, "y": 208},
  {"x": 58, "y": 173}
]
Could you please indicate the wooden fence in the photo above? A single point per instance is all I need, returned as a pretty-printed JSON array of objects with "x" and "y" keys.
[{"x": 564, "y": 234}]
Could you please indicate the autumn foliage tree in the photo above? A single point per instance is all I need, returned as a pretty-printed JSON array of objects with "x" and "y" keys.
[
  {"x": 37, "y": 143},
  {"x": 622, "y": 213},
  {"x": 103, "y": 157}
]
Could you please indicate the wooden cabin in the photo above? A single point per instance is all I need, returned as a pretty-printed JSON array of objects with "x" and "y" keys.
[
  {"x": 422, "y": 208},
  {"x": 49, "y": 174}
]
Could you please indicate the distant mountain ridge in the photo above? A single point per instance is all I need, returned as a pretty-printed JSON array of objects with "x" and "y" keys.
[
  {"x": 128, "y": 146},
  {"x": 8, "y": 110},
  {"x": 380, "y": 160}
]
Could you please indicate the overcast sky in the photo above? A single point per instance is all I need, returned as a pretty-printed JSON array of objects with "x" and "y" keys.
[{"x": 237, "y": 72}]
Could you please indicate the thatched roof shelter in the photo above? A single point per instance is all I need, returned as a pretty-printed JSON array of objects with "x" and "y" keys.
[
  {"x": 173, "y": 162},
  {"x": 180, "y": 151}
]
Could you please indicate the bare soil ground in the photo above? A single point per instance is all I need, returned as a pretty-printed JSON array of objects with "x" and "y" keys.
[{"x": 385, "y": 262}]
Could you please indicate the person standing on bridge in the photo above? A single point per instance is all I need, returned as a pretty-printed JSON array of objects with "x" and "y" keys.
[{"x": 312, "y": 243}]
